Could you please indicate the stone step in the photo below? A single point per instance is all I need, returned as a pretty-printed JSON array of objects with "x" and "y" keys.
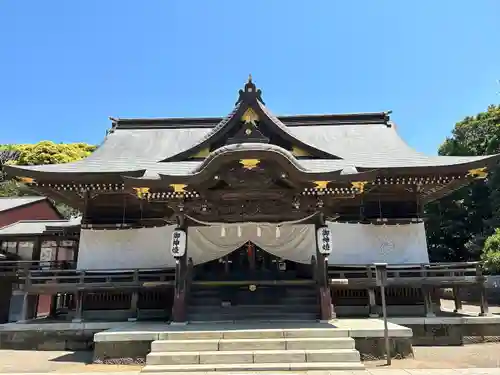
[
  {"x": 256, "y": 334},
  {"x": 252, "y": 308},
  {"x": 282, "y": 301},
  {"x": 205, "y": 301},
  {"x": 331, "y": 366},
  {"x": 289, "y": 291},
  {"x": 310, "y": 343},
  {"x": 257, "y": 316},
  {"x": 255, "y": 356}
]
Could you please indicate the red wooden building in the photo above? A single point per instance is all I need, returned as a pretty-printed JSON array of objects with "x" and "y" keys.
[{"x": 13, "y": 210}]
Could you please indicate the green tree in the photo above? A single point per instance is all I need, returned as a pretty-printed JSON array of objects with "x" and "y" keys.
[
  {"x": 491, "y": 253},
  {"x": 45, "y": 152},
  {"x": 459, "y": 224}
]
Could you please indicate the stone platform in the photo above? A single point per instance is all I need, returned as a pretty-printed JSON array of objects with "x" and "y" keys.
[
  {"x": 338, "y": 344},
  {"x": 131, "y": 342},
  {"x": 452, "y": 330}
]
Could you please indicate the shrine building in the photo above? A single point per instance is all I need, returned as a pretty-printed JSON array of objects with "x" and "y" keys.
[{"x": 272, "y": 207}]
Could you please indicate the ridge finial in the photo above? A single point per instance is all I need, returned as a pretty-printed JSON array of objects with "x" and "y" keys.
[{"x": 250, "y": 92}]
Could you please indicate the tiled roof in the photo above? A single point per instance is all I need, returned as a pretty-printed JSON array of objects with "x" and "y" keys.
[
  {"x": 10, "y": 203},
  {"x": 35, "y": 227},
  {"x": 358, "y": 140}
]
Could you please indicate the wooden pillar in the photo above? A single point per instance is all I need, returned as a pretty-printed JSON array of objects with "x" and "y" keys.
[
  {"x": 78, "y": 307},
  {"x": 373, "y": 309},
  {"x": 428, "y": 303},
  {"x": 25, "y": 309},
  {"x": 325, "y": 296},
  {"x": 457, "y": 299},
  {"x": 483, "y": 301},
  {"x": 28, "y": 310},
  {"x": 481, "y": 280},
  {"x": 134, "y": 313},
  {"x": 5, "y": 298},
  {"x": 179, "y": 313},
  {"x": 26, "y": 314},
  {"x": 53, "y": 305}
]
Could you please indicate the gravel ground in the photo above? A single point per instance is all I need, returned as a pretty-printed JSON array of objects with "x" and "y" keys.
[
  {"x": 469, "y": 356},
  {"x": 433, "y": 357},
  {"x": 54, "y": 361}
]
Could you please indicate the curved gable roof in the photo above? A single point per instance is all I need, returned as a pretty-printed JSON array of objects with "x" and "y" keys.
[{"x": 137, "y": 146}]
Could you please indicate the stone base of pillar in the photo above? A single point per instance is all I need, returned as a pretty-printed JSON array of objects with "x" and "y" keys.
[{"x": 178, "y": 323}]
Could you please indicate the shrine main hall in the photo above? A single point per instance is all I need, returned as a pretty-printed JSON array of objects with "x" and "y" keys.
[{"x": 249, "y": 216}]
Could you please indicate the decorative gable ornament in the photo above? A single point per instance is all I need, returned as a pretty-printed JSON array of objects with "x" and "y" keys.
[
  {"x": 178, "y": 244},
  {"x": 324, "y": 240}
]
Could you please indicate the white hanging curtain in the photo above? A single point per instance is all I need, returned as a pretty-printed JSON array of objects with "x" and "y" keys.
[
  {"x": 352, "y": 244},
  {"x": 125, "y": 249},
  {"x": 292, "y": 242},
  {"x": 295, "y": 242},
  {"x": 367, "y": 243},
  {"x": 205, "y": 244}
]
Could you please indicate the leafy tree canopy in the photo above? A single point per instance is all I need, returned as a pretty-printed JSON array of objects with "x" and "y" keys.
[
  {"x": 478, "y": 135},
  {"x": 45, "y": 152},
  {"x": 459, "y": 224},
  {"x": 491, "y": 252}
]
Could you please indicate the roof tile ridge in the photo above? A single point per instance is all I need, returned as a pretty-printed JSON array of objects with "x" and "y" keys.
[
  {"x": 220, "y": 125},
  {"x": 273, "y": 118}
]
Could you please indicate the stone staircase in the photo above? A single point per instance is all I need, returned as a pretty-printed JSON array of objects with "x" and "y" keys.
[
  {"x": 295, "y": 349},
  {"x": 292, "y": 303}
]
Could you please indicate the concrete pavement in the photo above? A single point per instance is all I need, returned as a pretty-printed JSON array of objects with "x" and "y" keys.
[{"x": 377, "y": 371}]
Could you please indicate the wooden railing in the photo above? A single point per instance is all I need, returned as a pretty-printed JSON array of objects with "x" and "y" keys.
[
  {"x": 52, "y": 277},
  {"x": 437, "y": 274}
]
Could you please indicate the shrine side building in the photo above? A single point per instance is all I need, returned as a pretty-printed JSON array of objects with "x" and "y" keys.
[{"x": 251, "y": 190}]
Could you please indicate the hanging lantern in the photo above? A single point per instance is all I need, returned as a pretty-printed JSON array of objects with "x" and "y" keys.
[
  {"x": 324, "y": 240},
  {"x": 278, "y": 232},
  {"x": 178, "y": 244}
]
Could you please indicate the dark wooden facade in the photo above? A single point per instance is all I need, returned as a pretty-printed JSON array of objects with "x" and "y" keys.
[{"x": 251, "y": 166}]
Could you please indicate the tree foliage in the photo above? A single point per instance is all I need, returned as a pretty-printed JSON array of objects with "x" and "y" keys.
[
  {"x": 458, "y": 225},
  {"x": 45, "y": 152},
  {"x": 491, "y": 253}
]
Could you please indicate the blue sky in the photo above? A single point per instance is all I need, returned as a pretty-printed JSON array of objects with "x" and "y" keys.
[{"x": 66, "y": 66}]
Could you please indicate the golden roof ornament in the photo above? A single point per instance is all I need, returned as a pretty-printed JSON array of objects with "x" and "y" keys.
[
  {"x": 141, "y": 192},
  {"x": 249, "y": 163},
  {"x": 479, "y": 173},
  {"x": 359, "y": 185},
  {"x": 250, "y": 116},
  {"x": 26, "y": 180},
  {"x": 178, "y": 188},
  {"x": 321, "y": 185}
]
